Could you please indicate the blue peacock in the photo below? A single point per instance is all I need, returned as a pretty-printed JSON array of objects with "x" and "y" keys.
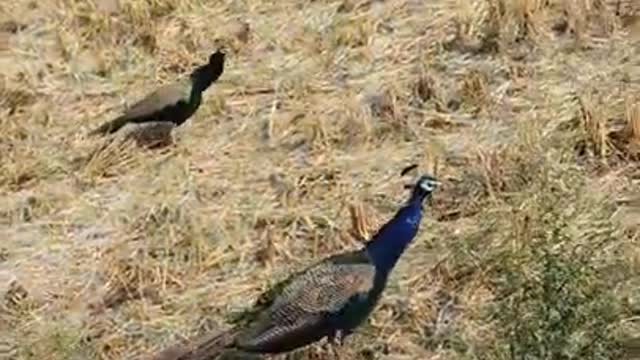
[{"x": 330, "y": 298}]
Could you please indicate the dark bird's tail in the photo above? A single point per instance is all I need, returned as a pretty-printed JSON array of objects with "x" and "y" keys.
[
  {"x": 110, "y": 126},
  {"x": 209, "y": 347}
]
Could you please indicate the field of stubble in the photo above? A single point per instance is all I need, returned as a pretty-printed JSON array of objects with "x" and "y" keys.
[{"x": 528, "y": 110}]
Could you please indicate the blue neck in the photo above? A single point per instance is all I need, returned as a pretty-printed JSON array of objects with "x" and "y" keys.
[{"x": 388, "y": 244}]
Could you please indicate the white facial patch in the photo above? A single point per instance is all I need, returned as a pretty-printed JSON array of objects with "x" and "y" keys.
[{"x": 427, "y": 185}]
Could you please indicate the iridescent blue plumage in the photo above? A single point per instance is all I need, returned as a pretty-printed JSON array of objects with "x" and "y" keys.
[
  {"x": 328, "y": 299},
  {"x": 388, "y": 244}
]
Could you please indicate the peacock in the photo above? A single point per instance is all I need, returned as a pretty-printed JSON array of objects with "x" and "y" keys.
[
  {"x": 330, "y": 298},
  {"x": 171, "y": 104}
]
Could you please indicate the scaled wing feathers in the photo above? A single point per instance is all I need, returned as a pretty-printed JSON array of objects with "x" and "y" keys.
[
  {"x": 327, "y": 287},
  {"x": 299, "y": 314}
]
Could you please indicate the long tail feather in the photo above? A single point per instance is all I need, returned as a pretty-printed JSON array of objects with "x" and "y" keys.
[
  {"x": 207, "y": 348},
  {"x": 110, "y": 126}
]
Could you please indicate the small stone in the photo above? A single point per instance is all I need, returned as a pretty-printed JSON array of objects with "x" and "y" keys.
[
  {"x": 151, "y": 135},
  {"x": 240, "y": 30},
  {"x": 108, "y": 7}
]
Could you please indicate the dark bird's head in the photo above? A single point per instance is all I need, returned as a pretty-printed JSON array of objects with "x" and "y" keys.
[
  {"x": 203, "y": 76},
  {"x": 217, "y": 58},
  {"x": 423, "y": 188}
]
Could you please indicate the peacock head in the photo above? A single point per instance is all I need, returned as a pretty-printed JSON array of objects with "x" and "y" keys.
[
  {"x": 222, "y": 47},
  {"x": 218, "y": 56},
  {"x": 204, "y": 75},
  {"x": 425, "y": 185}
]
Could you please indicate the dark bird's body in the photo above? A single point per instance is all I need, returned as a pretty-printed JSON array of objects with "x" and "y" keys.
[
  {"x": 328, "y": 299},
  {"x": 331, "y": 297},
  {"x": 172, "y": 103}
]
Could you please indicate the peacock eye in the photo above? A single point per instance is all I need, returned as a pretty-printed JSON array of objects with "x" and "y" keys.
[{"x": 429, "y": 185}]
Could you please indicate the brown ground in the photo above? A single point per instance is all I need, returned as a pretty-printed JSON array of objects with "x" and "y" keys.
[{"x": 527, "y": 110}]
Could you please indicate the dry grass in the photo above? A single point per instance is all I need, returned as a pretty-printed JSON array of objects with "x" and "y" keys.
[{"x": 528, "y": 110}]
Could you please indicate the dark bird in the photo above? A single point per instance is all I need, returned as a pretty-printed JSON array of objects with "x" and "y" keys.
[
  {"x": 328, "y": 299},
  {"x": 172, "y": 103}
]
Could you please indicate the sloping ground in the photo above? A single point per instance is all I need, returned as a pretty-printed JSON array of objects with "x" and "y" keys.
[{"x": 528, "y": 110}]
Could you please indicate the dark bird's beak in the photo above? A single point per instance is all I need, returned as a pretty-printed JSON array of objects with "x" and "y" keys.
[
  {"x": 435, "y": 182},
  {"x": 218, "y": 57}
]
